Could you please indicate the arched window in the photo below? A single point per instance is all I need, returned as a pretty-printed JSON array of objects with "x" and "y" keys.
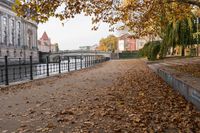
[
  {"x": 8, "y": 53},
  {"x": 21, "y": 53},
  {"x": 4, "y": 30},
  {"x": 18, "y": 33},
  {"x": 12, "y": 32},
  {"x": 15, "y": 53},
  {"x": 30, "y": 38}
]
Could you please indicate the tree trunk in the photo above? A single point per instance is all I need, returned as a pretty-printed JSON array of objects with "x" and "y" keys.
[
  {"x": 173, "y": 50},
  {"x": 183, "y": 51}
]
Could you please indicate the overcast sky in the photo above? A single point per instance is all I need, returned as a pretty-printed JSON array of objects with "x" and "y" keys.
[{"x": 76, "y": 32}]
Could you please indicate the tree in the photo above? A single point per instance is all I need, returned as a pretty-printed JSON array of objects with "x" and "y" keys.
[
  {"x": 192, "y": 2},
  {"x": 143, "y": 17},
  {"x": 108, "y": 44},
  {"x": 179, "y": 32}
]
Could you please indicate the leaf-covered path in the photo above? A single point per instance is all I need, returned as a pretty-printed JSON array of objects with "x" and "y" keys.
[{"x": 116, "y": 96}]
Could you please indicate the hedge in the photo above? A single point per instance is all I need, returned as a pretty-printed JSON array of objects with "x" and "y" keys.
[{"x": 150, "y": 50}]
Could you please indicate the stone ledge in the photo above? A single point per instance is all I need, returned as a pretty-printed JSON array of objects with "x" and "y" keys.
[{"x": 187, "y": 85}]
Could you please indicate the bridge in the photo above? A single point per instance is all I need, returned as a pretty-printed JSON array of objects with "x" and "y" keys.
[{"x": 66, "y": 53}]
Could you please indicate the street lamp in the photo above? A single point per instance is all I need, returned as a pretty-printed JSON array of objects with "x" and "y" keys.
[{"x": 197, "y": 35}]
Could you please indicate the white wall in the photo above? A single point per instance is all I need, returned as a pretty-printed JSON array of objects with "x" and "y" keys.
[{"x": 121, "y": 45}]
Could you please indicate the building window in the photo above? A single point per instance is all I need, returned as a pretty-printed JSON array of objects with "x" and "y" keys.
[
  {"x": 18, "y": 33},
  {"x": 29, "y": 39},
  {"x": 12, "y": 37},
  {"x": 8, "y": 53},
  {"x": 21, "y": 53},
  {"x": 15, "y": 53},
  {"x": 4, "y": 20},
  {"x": 4, "y": 30}
]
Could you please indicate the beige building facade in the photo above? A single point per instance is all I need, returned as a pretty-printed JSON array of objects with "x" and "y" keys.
[{"x": 18, "y": 36}]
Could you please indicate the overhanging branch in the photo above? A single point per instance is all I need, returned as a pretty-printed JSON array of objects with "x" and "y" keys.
[{"x": 191, "y": 2}]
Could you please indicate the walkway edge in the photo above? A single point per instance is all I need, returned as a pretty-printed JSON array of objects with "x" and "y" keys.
[
  {"x": 186, "y": 85},
  {"x": 5, "y": 87}
]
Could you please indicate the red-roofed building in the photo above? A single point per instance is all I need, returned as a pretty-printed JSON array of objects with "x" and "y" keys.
[
  {"x": 126, "y": 43},
  {"x": 45, "y": 45},
  {"x": 45, "y": 36}
]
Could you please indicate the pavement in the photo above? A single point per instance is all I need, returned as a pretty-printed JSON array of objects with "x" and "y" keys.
[{"x": 115, "y": 96}]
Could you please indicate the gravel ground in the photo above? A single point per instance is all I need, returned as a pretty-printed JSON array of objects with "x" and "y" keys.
[{"x": 116, "y": 96}]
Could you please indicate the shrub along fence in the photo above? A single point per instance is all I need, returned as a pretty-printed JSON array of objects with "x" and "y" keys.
[
  {"x": 150, "y": 50},
  {"x": 14, "y": 70},
  {"x": 128, "y": 54}
]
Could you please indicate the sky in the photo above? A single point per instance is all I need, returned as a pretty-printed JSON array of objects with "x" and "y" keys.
[{"x": 75, "y": 32}]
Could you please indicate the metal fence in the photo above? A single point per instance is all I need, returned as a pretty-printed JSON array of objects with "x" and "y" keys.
[{"x": 14, "y": 70}]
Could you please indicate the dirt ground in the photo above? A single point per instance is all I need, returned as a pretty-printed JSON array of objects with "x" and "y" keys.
[{"x": 119, "y": 96}]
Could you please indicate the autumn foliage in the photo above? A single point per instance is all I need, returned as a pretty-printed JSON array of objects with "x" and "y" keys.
[
  {"x": 108, "y": 44},
  {"x": 171, "y": 20},
  {"x": 142, "y": 17}
]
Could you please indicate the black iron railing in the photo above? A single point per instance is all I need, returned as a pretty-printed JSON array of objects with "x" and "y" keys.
[{"x": 14, "y": 70}]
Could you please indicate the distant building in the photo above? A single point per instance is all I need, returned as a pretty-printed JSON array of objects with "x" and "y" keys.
[
  {"x": 45, "y": 45},
  {"x": 84, "y": 48},
  {"x": 140, "y": 43},
  {"x": 87, "y": 48},
  {"x": 18, "y": 36},
  {"x": 54, "y": 47},
  {"x": 94, "y": 47},
  {"x": 126, "y": 43}
]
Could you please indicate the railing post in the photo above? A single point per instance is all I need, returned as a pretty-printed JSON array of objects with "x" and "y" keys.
[
  {"x": 20, "y": 69},
  {"x": 93, "y": 59},
  {"x": 6, "y": 70},
  {"x": 85, "y": 61},
  {"x": 75, "y": 63},
  {"x": 47, "y": 59},
  {"x": 59, "y": 65},
  {"x": 31, "y": 68},
  {"x": 81, "y": 62},
  {"x": 90, "y": 60},
  {"x": 68, "y": 64}
]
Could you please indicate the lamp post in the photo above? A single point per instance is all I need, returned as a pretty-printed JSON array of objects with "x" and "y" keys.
[{"x": 197, "y": 35}]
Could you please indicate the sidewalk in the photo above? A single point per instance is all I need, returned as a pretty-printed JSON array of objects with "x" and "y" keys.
[{"x": 116, "y": 96}]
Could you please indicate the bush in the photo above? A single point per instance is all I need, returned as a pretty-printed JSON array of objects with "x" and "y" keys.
[
  {"x": 128, "y": 54},
  {"x": 144, "y": 51},
  {"x": 150, "y": 50}
]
